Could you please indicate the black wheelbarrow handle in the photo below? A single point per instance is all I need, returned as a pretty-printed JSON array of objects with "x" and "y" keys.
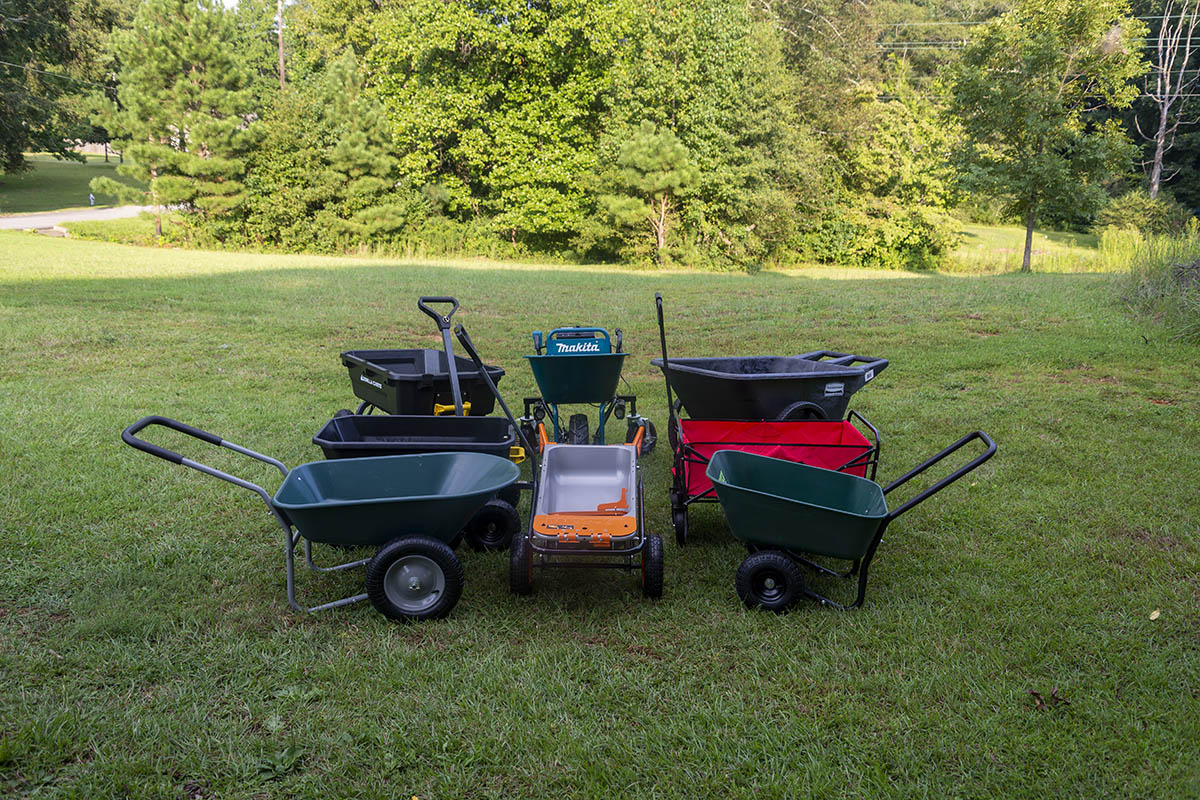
[
  {"x": 442, "y": 320},
  {"x": 129, "y": 436},
  {"x": 949, "y": 479},
  {"x": 469, "y": 346}
]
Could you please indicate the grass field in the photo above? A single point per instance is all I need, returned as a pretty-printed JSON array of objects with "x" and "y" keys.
[
  {"x": 52, "y": 185},
  {"x": 146, "y": 650},
  {"x": 999, "y": 248}
]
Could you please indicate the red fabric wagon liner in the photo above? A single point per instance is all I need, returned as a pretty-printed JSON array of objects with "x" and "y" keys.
[{"x": 829, "y": 444}]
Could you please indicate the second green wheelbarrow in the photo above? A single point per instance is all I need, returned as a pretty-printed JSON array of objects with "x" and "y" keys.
[{"x": 785, "y": 511}]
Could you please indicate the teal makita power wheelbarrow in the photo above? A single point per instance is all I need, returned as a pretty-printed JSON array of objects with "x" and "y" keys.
[{"x": 581, "y": 365}]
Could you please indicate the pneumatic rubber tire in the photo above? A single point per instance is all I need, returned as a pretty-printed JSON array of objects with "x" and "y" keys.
[
  {"x": 520, "y": 565},
  {"x": 652, "y": 567},
  {"x": 493, "y": 526},
  {"x": 414, "y": 578},
  {"x": 577, "y": 429},
  {"x": 769, "y": 580}
]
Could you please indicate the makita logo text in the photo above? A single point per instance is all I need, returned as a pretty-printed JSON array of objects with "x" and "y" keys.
[
  {"x": 580, "y": 347},
  {"x": 365, "y": 379}
]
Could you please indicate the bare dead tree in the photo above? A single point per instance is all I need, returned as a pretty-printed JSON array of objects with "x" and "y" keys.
[
  {"x": 279, "y": 32},
  {"x": 1173, "y": 52}
]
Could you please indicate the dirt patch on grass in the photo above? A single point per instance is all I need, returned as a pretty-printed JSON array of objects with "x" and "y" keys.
[{"x": 1158, "y": 541}]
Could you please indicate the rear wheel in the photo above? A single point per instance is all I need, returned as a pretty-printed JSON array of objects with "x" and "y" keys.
[
  {"x": 520, "y": 566},
  {"x": 493, "y": 526},
  {"x": 414, "y": 578},
  {"x": 652, "y": 567},
  {"x": 769, "y": 580},
  {"x": 802, "y": 410},
  {"x": 649, "y": 435},
  {"x": 577, "y": 429}
]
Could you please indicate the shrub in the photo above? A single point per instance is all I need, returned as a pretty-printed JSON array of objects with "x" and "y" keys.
[
  {"x": 1137, "y": 211},
  {"x": 1164, "y": 282}
]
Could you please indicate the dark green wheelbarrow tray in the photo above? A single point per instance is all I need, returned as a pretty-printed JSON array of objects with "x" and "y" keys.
[
  {"x": 784, "y": 510},
  {"x": 409, "y": 507}
]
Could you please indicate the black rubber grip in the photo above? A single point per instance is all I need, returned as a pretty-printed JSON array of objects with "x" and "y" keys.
[{"x": 130, "y": 438}]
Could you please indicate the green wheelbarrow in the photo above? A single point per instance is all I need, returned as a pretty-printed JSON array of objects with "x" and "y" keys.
[
  {"x": 785, "y": 511},
  {"x": 409, "y": 507}
]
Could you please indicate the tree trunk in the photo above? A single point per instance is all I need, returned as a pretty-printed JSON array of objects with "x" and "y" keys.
[
  {"x": 1160, "y": 139},
  {"x": 279, "y": 29},
  {"x": 1029, "y": 217}
]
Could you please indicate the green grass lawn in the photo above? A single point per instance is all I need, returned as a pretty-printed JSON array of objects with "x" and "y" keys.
[
  {"x": 52, "y": 185},
  {"x": 996, "y": 248},
  {"x": 146, "y": 650}
]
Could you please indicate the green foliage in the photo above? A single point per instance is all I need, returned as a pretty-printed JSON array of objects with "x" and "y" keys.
[
  {"x": 184, "y": 109},
  {"x": 1135, "y": 210},
  {"x": 1164, "y": 281},
  {"x": 651, "y": 174},
  {"x": 868, "y": 231},
  {"x": 1023, "y": 91},
  {"x": 498, "y": 105},
  {"x": 324, "y": 177},
  {"x": 46, "y": 45}
]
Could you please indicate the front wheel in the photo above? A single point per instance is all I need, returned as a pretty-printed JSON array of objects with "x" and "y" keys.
[
  {"x": 414, "y": 578},
  {"x": 493, "y": 526},
  {"x": 680, "y": 521},
  {"x": 520, "y": 566},
  {"x": 652, "y": 567},
  {"x": 577, "y": 429},
  {"x": 769, "y": 580}
]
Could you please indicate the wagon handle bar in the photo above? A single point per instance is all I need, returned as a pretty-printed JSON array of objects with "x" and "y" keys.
[
  {"x": 130, "y": 438},
  {"x": 857, "y": 461},
  {"x": 662, "y": 338},
  {"x": 949, "y": 479},
  {"x": 443, "y": 323},
  {"x": 469, "y": 346}
]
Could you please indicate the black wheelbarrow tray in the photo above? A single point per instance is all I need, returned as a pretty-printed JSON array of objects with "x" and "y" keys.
[
  {"x": 815, "y": 385},
  {"x": 783, "y": 509},
  {"x": 407, "y": 506}
]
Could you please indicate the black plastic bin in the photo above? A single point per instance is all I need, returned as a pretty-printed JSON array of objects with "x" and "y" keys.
[
  {"x": 413, "y": 381},
  {"x": 358, "y": 435},
  {"x": 815, "y": 385}
]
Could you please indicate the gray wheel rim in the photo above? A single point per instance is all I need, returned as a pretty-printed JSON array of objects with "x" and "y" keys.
[{"x": 414, "y": 583}]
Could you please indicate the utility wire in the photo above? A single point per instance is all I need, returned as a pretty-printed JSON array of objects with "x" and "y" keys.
[{"x": 52, "y": 74}]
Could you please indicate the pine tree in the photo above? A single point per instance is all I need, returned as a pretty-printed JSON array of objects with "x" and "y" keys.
[{"x": 184, "y": 107}]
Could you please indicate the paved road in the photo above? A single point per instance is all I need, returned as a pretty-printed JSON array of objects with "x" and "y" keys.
[{"x": 51, "y": 218}]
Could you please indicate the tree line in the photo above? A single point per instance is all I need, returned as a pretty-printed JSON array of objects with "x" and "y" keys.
[{"x": 714, "y": 133}]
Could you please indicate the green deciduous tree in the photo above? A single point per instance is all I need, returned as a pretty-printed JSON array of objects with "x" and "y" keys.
[
  {"x": 184, "y": 109},
  {"x": 1025, "y": 91}
]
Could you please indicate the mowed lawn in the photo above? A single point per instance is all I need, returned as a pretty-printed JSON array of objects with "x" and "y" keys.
[
  {"x": 1032, "y": 631},
  {"x": 51, "y": 184}
]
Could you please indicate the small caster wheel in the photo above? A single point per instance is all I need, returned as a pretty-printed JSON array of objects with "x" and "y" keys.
[{"x": 680, "y": 521}]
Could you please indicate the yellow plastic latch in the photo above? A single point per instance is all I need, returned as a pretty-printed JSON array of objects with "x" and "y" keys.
[
  {"x": 516, "y": 453},
  {"x": 440, "y": 409}
]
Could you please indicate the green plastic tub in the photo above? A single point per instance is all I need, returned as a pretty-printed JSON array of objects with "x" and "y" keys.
[
  {"x": 783, "y": 504},
  {"x": 370, "y": 501},
  {"x": 582, "y": 378}
]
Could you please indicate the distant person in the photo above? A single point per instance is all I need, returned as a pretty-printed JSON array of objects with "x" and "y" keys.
[{"x": 91, "y": 199}]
